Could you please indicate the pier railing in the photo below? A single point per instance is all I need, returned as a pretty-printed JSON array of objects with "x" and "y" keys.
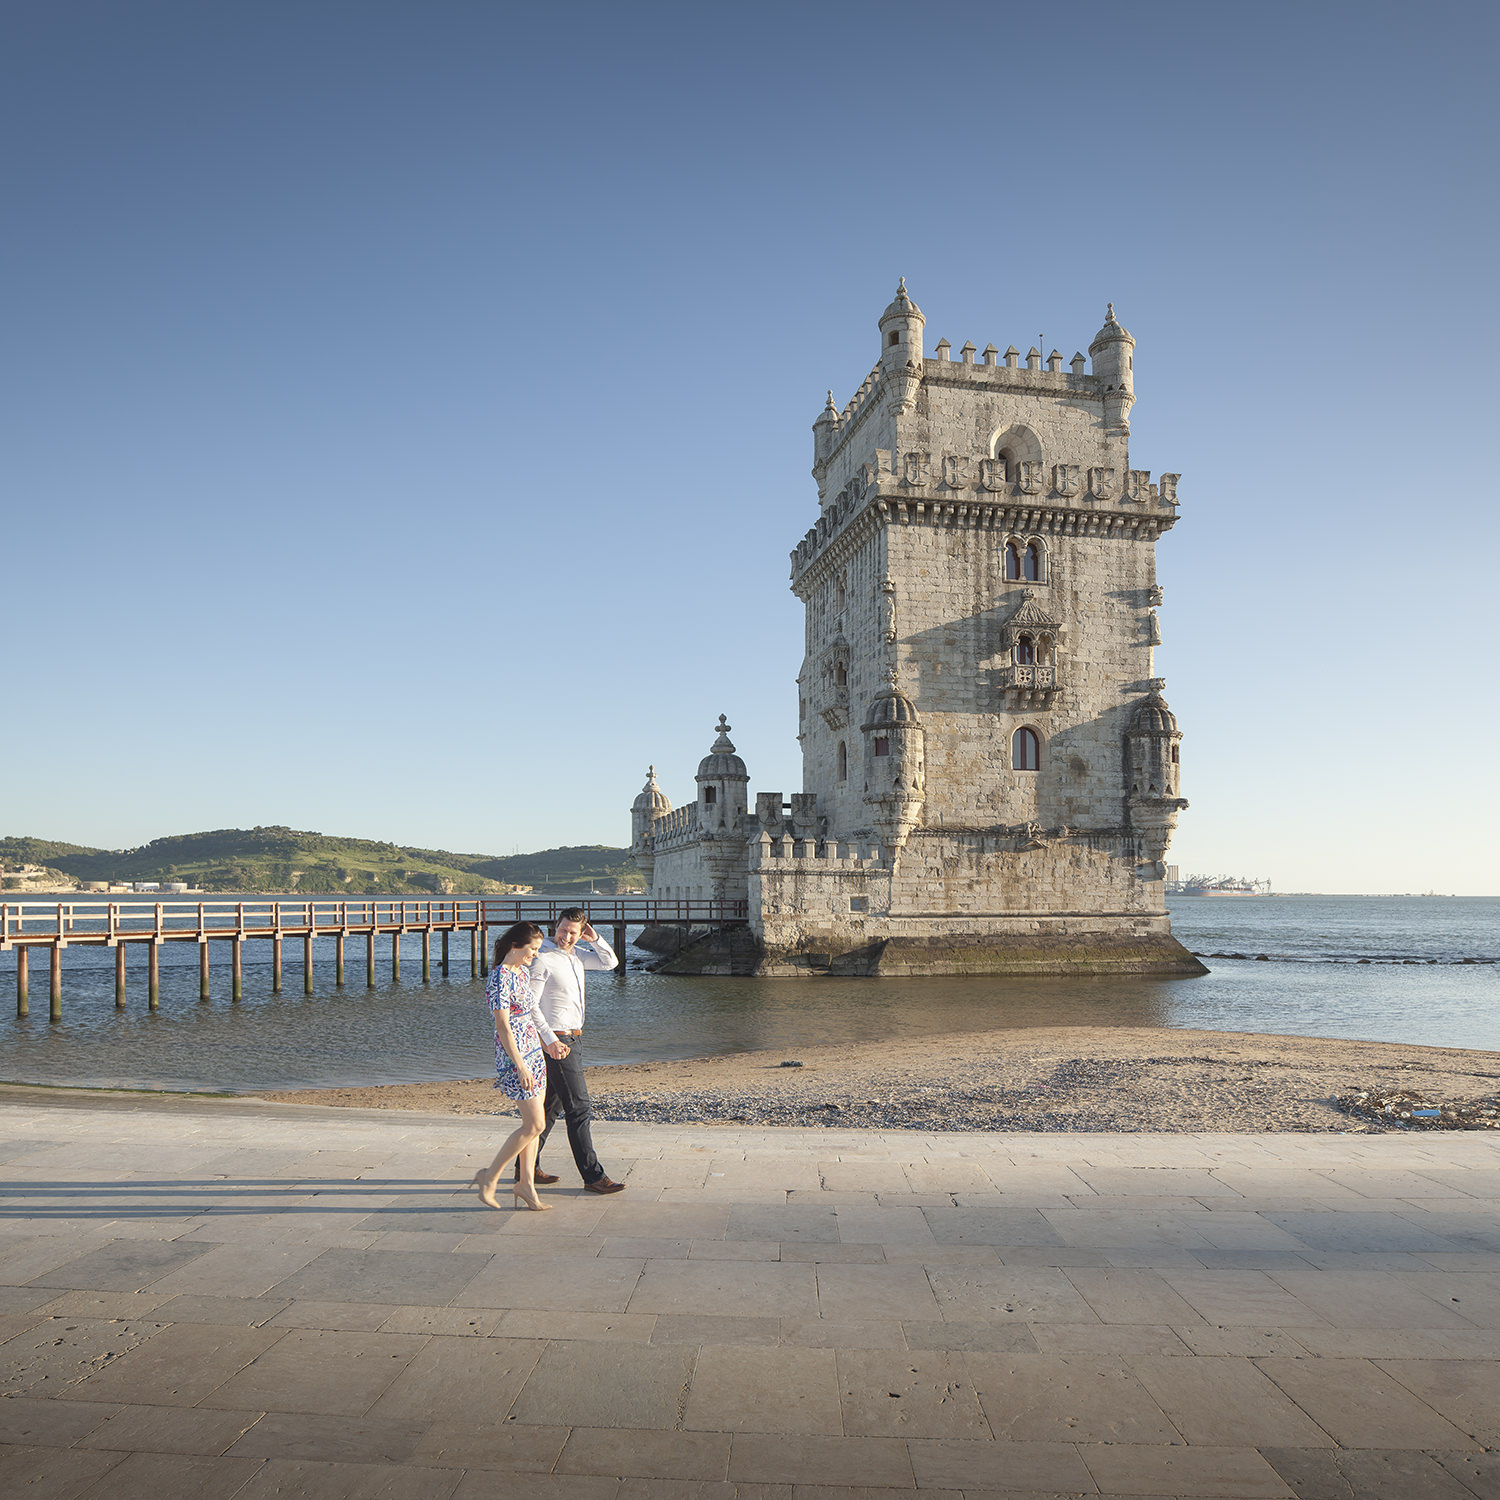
[{"x": 58, "y": 925}]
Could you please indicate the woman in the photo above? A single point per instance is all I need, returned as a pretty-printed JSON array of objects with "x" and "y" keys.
[{"x": 520, "y": 1072}]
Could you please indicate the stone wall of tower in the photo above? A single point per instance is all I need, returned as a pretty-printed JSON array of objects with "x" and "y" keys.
[{"x": 925, "y": 478}]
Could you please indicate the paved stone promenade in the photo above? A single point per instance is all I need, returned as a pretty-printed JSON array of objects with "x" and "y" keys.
[{"x": 235, "y": 1299}]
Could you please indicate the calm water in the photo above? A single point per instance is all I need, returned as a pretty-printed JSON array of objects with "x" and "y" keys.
[{"x": 1312, "y": 985}]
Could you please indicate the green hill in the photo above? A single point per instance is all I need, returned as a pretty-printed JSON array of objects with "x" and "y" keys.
[{"x": 285, "y": 859}]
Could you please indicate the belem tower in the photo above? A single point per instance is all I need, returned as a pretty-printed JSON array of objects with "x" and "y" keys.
[{"x": 990, "y": 771}]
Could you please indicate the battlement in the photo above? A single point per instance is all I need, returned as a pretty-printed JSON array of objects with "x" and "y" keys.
[
  {"x": 679, "y": 826},
  {"x": 815, "y": 856}
]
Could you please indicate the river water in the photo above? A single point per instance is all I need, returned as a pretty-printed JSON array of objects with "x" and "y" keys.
[{"x": 1416, "y": 986}]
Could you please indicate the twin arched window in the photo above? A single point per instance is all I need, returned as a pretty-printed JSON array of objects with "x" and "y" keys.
[
  {"x": 1023, "y": 564},
  {"x": 1025, "y": 751}
]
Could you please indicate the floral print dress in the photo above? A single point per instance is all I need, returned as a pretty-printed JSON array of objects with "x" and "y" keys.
[{"x": 509, "y": 993}]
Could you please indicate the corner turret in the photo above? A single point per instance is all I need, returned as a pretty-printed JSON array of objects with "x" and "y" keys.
[
  {"x": 722, "y": 781},
  {"x": 825, "y": 435},
  {"x": 1113, "y": 354},
  {"x": 895, "y": 769},
  {"x": 650, "y": 804},
  {"x": 901, "y": 356},
  {"x": 1152, "y": 774}
]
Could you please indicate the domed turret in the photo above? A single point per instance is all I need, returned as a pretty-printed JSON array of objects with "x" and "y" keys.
[
  {"x": 894, "y": 762},
  {"x": 722, "y": 779},
  {"x": 650, "y": 804},
  {"x": 1152, "y": 775},
  {"x": 901, "y": 356},
  {"x": 1113, "y": 354},
  {"x": 825, "y": 432},
  {"x": 722, "y": 782}
]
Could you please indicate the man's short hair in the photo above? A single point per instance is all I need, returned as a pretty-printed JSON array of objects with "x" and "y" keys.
[{"x": 571, "y": 914}]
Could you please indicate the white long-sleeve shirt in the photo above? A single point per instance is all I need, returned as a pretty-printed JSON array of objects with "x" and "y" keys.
[{"x": 557, "y": 980}]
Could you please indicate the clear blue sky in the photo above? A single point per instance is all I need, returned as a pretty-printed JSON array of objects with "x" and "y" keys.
[{"x": 407, "y": 406}]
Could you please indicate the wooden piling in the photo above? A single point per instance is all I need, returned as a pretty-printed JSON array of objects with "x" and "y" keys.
[
  {"x": 307, "y": 985},
  {"x": 444, "y": 959},
  {"x": 153, "y": 981},
  {"x": 484, "y": 950},
  {"x": 427, "y": 955},
  {"x": 473, "y": 953},
  {"x": 23, "y": 983},
  {"x": 55, "y": 1007},
  {"x": 237, "y": 987},
  {"x": 119, "y": 976},
  {"x": 396, "y": 956},
  {"x": 370, "y": 956},
  {"x": 620, "y": 949},
  {"x": 202, "y": 967},
  {"x": 276, "y": 964},
  {"x": 338, "y": 950}
]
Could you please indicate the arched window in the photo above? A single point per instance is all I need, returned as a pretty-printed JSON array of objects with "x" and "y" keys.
[
  {"x": 1025, "y": 651},
  {"x": 841, "y": 674},
  {"x": 1174, "y": 755},
  {"x": 710, "y": 795},
  {"x": 895, "y": 336},
  {"x": 843, "y": 761},
  {"x": 1006, "y": 463},
  {"x": 1031, "y": 563},
  {"x": 1025, "y": 751},
  {"x": 1012, "y": 561},
  {"x": 1044, "y": 650}
]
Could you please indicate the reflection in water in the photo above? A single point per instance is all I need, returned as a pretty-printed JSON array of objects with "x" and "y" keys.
[{"x": 412, "y": 1032}]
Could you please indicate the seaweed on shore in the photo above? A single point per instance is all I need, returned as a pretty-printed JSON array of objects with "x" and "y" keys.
[{"x": 1405, "y": 1109}]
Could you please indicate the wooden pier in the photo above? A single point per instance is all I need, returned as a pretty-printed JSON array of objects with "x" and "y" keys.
[{"x": 56, "y": 926}]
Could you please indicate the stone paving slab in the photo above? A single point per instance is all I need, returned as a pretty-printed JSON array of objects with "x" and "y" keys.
[{"x": 228, "y": 1298}]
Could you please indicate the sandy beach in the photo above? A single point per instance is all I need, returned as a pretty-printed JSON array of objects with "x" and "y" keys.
[{"x": 1048, "y": 1078}]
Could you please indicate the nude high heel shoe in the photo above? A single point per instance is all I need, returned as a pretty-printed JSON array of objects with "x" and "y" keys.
[
  {"x": 534, "y": 1203},
  {"x": 481, "y": 1180}
]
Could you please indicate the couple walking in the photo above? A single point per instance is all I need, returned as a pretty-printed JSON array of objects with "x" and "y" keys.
[{"x": 535, "y": 990}]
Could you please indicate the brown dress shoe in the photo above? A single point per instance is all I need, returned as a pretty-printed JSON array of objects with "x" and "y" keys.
[
  {"x": 538, "y": 1176},
  {"x": 604, "y": 1185}
]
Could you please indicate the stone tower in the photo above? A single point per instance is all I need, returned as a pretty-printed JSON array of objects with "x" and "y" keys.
[
  {"x": 990, "y": 772},
  {"x": 978, "y": 699}
]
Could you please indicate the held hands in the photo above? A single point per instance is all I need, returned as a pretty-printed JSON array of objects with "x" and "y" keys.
[{"x": 557, "y": 1050}]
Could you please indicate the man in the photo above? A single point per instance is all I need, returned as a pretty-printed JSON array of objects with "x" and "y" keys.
[{"x": 557, "y": 982}]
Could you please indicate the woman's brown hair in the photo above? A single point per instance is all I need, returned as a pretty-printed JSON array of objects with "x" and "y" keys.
[{"x": 515, "y": 937}]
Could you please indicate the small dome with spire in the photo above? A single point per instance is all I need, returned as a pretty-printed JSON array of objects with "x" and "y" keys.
[
  {"x": 890, "y": 707},
  {"x": 721, "y": 763},
  {"x": 1153, "y": 717},
  {"x": 651, "y": 800},
  {"x": 901, "y": 306},
  {"x": 1112, "y": 332}
]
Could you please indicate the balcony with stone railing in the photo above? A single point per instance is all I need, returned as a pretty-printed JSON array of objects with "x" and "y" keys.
[
  {"x": 1030, "y": 686},
  {"x": 835, "y": 706}
]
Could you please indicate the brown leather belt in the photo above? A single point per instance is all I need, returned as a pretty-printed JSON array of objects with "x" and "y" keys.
[{"x": 577, "y": 1033}]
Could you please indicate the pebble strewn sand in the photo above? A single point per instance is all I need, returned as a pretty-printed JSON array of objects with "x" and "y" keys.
[{"x": 1051, "y": 1078}]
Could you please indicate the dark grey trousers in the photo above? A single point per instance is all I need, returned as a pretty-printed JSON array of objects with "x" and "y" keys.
[{"x": 568, "y": 1096}]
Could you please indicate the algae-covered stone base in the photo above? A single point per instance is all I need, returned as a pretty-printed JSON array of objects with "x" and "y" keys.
[{"x": 738, "y": 951}]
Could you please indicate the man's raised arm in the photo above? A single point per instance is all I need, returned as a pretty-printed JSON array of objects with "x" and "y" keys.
[{"x": 598, "y": 954}]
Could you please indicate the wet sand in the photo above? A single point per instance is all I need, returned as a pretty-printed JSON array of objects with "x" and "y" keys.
[{"x": 1051, "y": 1078}]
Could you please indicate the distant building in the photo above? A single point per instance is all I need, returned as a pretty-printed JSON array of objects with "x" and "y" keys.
[{"x": 990, "y": 770}]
